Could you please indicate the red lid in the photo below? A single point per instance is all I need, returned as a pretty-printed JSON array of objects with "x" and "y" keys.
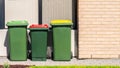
[{"x": 38, "y": 26}]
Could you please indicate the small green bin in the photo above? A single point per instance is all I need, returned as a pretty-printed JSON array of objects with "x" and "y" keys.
[
  {"x": 17, "y": 31},
  {"x": 38, "y": 34},
  {"x": 61, "y": 39}
]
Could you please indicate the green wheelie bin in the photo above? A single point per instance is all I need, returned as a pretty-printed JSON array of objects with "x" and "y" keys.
[
  {"x": 17, "y": 31},
  {"x": 38, "y": 35},
  {"x": 61, "y": 39}
]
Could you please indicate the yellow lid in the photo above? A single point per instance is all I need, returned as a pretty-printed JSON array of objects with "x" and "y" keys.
[{"x": 57, "y": 22}]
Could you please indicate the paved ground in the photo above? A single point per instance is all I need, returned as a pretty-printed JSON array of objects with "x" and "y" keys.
[{"x": 74, "y": 61}]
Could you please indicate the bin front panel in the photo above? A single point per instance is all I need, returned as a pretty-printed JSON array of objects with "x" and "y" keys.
[
  {"x": 39, "y": 44},
  {"x": 18, "y": 43},
  {"x": 62, "y": 43}
]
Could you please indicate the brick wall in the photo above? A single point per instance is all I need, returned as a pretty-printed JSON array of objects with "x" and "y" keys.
[{"x": 99, "y": 28}]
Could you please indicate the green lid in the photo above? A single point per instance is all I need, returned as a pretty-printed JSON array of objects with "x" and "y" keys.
[
  {"x": 17, "y": 23},
  {"x": 61, "y": 22}
]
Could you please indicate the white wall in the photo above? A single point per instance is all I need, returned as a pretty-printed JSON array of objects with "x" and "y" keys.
[
  {"x": 56, "y": 9},
  {"x": 21, "y": 10},
  {"x": 3, "y": 42},
  {"x": 74, "y": 42}
]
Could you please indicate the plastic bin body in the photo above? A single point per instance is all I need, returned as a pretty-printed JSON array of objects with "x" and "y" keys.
[
  {"x": 38, "y": 43},
  {"x": 17, "y": 42},
  {"x": 61, "y": 40},
  {"x": 61, "y": 43}
]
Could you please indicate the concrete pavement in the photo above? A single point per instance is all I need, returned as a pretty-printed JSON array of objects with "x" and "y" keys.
[{"x": 74, "y": 61}]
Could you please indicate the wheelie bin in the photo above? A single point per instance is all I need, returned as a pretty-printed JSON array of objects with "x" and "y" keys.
[
  {"x": 17, "y": 31},
  {"x": 38, "y": 34},
  {"x": 61, "y": 39}
]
